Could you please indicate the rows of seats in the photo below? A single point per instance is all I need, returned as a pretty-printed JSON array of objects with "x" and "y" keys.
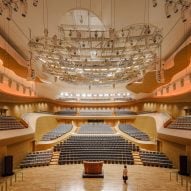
[
  {"x": 124, "y": 112},
  {"x": 39, "y": 158},
  {"x": 110, "y": 149},
  {"x": 57, "y": 132},
  {"x": 181, "y": 123},
  {"x": 134, "y": 132},
  {"x": 155, "y": 159},
  {"x": 95, "y": 128},
  {"x": 95, "y": 112},
  {"x": 67, "y": 112},
  {"x": 10, "y": 122}
]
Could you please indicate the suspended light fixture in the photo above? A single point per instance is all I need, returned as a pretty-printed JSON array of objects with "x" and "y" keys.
[
  {"x": 175, "y": 5},
  {"x": 10, "y": 6},
  {"x": 95, "y": 55}
]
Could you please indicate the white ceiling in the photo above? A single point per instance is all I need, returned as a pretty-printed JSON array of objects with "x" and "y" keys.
[{"x": 116, "y": 13}]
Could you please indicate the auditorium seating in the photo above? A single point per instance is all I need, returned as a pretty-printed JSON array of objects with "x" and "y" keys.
[
  {"x": 155, "y": 159},
  {"x": 124, "y": 112},
  {"x": 108, "y": 148},
  {"x": 39, "y": 158},
  {"x": 95, "y": 128},
  {"x": 67, "y": 112},
  {"x": 57, "y": 132},
  {"x": 134, "y": 132},
  {"x": 10, "y": 122},
  {"x": 95, "y": 112},
  {"x": 181, "y": 123}
]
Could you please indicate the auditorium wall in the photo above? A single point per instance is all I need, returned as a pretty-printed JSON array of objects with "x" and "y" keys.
[
  {"x": 43, "y": 125},
  {"x": 18, "y": 109},
  {"x": 147, "y": 125},
  {"x": 174, "y": 109},
  {"x": 173, "y": 151},
  {"x": 3, "y": 152},
  {"x": 18, "y": 150}
]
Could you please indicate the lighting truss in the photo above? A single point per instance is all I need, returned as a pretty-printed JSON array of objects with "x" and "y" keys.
[
  {"x": 175, "y": 6},
  {"x": 84, "y": 55},
  {"x": 7, "y": 7}
]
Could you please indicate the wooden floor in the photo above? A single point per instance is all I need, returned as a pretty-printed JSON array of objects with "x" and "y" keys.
[{"x": 69, "y": 178}]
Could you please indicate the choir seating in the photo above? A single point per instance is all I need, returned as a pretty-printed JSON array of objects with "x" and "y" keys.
[
  {"x": 57, "y": 132},
  {"x": 39, "y": 158},
  {"x": 157, "y": 159},
  {"x": 95, "y": 112},
  {"x": 9, "y": 123},
  {"x": 181, "y": 123},
  {"x": 95, "y": 128},
  {"x": 68, "y": 112},
  {"x": 124, "y": 112},
  {"x": 107, "y": 148},
  {"x": 134, "y": 132}
]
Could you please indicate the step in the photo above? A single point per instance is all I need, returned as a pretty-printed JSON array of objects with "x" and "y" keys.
[{"x": 138, "y": 163}]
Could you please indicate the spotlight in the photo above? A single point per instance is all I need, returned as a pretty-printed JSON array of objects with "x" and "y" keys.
[
  {"x": 46, "y": 32},
  {"x": 154, "y": 3},
  {"x": 24, "y": 8},
  {"x": 183, "y": 14},
  {"x": 15, "y": 7},
  {"x": 35, "y": 3},
  {"x": 96, "y": 34},
  {"x": 9, "y": 14},
  {"x": 70, "y": 33},
  {"x": 167, "y": 4},
  {"x": 175, "y": 8}
]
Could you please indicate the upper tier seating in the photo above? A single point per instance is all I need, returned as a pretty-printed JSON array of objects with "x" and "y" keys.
[
  {"x": 110, "y": 149},
  {"x": 39, "y": 158},
  {"x": 155, "y": 159},
  {"x": 66, "y": 112},
  {"x": 95, "y": 112},
  {"x": 9, "y": 122},
  {"x": 181, "y": 123},
  {"x": 124, "y": 112},
  {"x": 95, "y": 128},
  {"x": 57, "y": 132},
  {"x": 134, "y": 132}
]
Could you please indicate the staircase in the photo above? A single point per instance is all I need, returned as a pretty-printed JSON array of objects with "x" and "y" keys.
[
  {"x": 137, "y": 159},
  {"x": 55, "y": 158}
]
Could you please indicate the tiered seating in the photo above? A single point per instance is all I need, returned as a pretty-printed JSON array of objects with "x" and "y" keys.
[
  {"x": 146, "y": 112},
  {"x": 66, "y": 112},
  {"x": 110, "y": 149},
  {"x": 124, "y": 112},
  {"x": 57, "y": 132},
  {"x": 95, "y": 112},
  {"x": 134, "y": 132},
  {"x": 39, "y": 158},
  {"x": 155, "y": 159},
  {"x": 9, "y": 122},
  {"x": 181, "y": 123},
  {"x": 95, "y": 128}
]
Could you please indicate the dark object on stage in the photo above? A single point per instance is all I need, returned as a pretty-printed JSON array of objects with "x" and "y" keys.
[
  {"x": 183, "y": 165},
  {"x": 93, "y": 169},
  {"x": 8, "y": 166}
]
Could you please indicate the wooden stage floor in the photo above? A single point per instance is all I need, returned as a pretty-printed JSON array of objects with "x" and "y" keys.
[{"x": 69, "y": 178}]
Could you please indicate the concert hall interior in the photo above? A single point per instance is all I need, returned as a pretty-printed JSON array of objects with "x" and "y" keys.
[{"x": 88, "y": 86}]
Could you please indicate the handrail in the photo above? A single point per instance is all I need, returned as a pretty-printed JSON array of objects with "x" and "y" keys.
[{"x": 8, "y": 181}]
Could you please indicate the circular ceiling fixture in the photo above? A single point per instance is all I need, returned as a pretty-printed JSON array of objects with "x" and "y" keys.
[{"x": 87, "y": 53}]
